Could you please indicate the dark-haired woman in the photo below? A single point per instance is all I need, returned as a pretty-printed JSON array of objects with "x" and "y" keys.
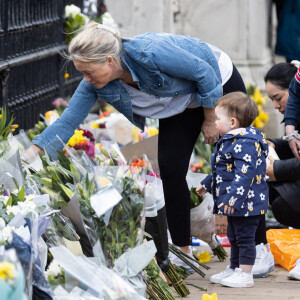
[{"x": 284, "y": 183}]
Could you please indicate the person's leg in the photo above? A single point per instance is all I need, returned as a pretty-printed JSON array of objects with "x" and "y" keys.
[
  {"x": 260, "y": 235},
  {"x": 177, "y": 137},
  {"x": 235, "y": 83},
  {"x": 284, "y": 213},
  {"x": 234, "y": 250},
  {"x": 245, "y": 229}
]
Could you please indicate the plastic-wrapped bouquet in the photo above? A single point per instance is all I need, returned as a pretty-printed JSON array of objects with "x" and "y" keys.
[{"x": 119, "y": 206}]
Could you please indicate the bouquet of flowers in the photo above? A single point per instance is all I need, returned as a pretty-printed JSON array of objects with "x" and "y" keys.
[
  {"x": 120, "y": 225},
  {"x": 83, "y": 140},
  {"x": 74, "y": 20}
]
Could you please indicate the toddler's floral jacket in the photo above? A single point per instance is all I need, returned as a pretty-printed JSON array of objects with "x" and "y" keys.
[{"x": 238, "y": 176}]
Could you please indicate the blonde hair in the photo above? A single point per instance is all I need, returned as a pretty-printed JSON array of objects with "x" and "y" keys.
[
  {"x": 240, "y": 106},
  {"x": 95, "y": 43}
]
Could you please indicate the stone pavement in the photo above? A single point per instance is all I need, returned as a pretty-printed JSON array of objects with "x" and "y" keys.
[{"x": 275, "y": 287}]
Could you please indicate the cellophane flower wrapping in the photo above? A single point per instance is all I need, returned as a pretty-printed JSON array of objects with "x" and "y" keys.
[
  {"x": 25, "y": 243},
  {"x": 121, "y": 226},
  {"x": 10, "y": 164},
  {"x": 91, "y": 277},
  {"x": 12, "y": 281}
]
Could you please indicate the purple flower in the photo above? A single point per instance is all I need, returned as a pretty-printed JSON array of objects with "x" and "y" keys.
[{"x": 5, "y": 193}]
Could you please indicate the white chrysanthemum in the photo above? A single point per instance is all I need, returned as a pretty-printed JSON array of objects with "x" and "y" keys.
[
  {"x": 247, "y": 158},
  {"x": 240, "y": 190},
  {"x": 237, "y": 148},
  {"x": 219, "y": 179}
]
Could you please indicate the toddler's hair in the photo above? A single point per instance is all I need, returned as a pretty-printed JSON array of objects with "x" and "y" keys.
[{"x": 240, "y": 106}]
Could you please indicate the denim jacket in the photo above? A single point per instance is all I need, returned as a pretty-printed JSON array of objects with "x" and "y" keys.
[
  {"x": 239, "y": 173},
  {"x": 163, "y": 65}
]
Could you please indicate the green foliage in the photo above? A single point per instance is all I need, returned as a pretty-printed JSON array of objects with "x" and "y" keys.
[{"x": 72, "y": 25}]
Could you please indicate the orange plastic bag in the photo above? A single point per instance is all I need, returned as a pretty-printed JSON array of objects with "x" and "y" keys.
[{"x": 285, "y": 246}]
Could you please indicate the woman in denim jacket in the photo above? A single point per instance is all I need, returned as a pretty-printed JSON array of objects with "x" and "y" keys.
[{"x": 176, "y": 79}]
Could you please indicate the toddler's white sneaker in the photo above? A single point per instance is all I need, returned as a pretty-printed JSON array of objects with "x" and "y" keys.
[
  {"x": 264, "y": 262},
  {"x": 222, "y": 275},
  {"x": 238, "y": 279},
  {"x": 295, "y": 272}
]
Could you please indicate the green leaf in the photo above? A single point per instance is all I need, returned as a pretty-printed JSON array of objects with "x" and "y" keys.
[
  {"x": 16, "y": 183},
  {"x": 9, "y": 201},
  {"x": 21, "y": 194},
  {"x": 63, "y": 160}
]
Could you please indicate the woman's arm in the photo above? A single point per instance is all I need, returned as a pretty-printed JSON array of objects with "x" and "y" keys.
[
  {"x": 287, "y": 170},
  {"x": 78, "y": 108}
]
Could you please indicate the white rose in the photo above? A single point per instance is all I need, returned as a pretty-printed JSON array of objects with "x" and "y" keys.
[{"x": 72, "y": 10}]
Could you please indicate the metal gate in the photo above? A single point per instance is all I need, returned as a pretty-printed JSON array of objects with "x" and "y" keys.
[{"x": 31, "y": 68}]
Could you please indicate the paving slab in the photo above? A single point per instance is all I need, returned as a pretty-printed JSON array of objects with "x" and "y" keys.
[{"x": 275, "y": 287}]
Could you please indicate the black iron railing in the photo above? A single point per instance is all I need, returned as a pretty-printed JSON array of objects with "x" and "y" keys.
[{"x": 31, "y": 68}]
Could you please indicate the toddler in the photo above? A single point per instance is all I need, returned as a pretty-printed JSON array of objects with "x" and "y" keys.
[{"x": 238, "y": 183}]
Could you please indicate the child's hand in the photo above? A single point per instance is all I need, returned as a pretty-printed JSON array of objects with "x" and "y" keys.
[
  {"x": 201, "y": 190},
  {"x": 227, "y": 209}
]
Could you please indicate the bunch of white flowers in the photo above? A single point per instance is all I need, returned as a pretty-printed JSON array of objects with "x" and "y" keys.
[
  {"x": 73, "y": 10},
  {"x": 54, "y": 270},
  {"x": 6, "y": 235},
  {"x": 23, "y": 208}
]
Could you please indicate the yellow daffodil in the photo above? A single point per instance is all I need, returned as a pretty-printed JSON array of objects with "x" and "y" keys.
[
  {"x": 204, "y": 257},
  {"x": 214, "y": 296},
  {"x": 7, "y": 270},
  {"x": 76, "y": 138}
]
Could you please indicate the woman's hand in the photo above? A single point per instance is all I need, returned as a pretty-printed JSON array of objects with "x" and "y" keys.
[
  {"x": 201, "y": 190},
  {"x": 270, "y": 168},
  {"x": 295, "y": 147},
  {"x": 209, "y": 129},
  {"x": 31, "y": 153},
  {"x": 294, "y": 143}
]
